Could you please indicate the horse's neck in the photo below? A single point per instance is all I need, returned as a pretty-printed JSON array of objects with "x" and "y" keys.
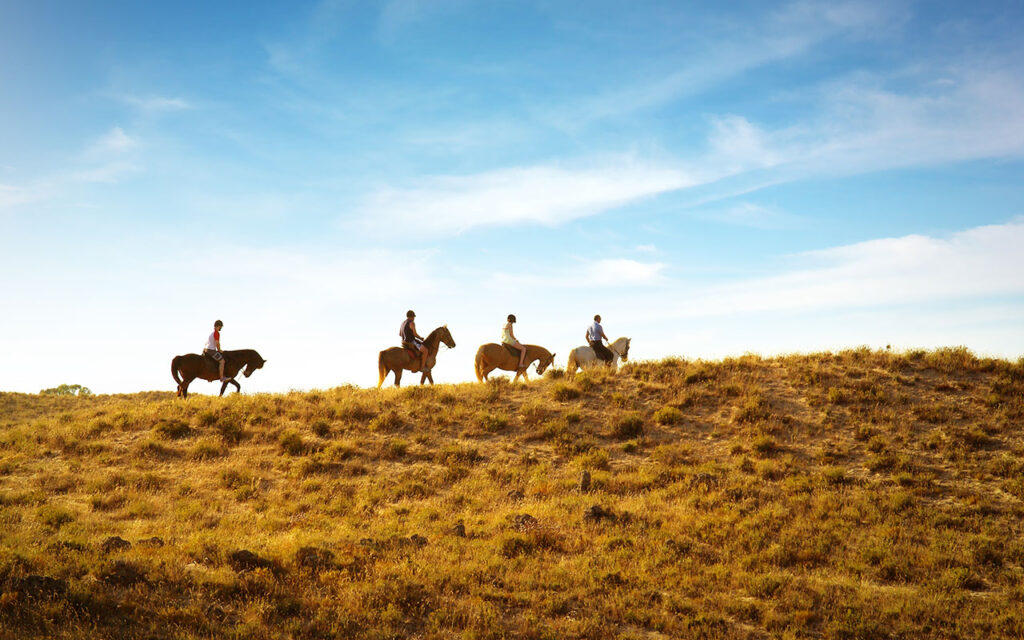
[
  {"x": 433, "y": 340},
  {"x": 534, "y": 352},
  {"x": 616, "y": 348}
]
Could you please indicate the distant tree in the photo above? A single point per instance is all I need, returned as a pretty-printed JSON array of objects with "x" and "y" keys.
[{"x": 67, "y": 390}]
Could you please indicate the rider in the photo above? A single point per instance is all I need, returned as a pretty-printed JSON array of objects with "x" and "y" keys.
[
  {"x": 509, "y": 338},
  {"x": 595, "y": 335},
  {"x": 411, "y": 339},
  {"x": 213, "y": 350}
]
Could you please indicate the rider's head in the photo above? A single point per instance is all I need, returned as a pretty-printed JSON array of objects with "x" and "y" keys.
[
  {"x": 511, "y": 318},
  {"x": 218, "y": 324},
  {"x": 597, "y": 318},
  {"x": 410, "y": 314}
]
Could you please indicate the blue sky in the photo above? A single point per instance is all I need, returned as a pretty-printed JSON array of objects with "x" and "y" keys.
[{"x": 770, "y": 177}]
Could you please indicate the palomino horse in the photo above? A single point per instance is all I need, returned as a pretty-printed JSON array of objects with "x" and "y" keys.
[
  {"x": 493, "y": 356},
  {"x": 188, "y": 367},
  {"x": 398, "y": 358},
  {"x": 585, "y": 358}
]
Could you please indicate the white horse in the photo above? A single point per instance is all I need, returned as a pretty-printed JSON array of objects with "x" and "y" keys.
[{"x": 585, "y": 358}]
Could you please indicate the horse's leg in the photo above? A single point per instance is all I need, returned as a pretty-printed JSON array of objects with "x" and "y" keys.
[
  {"x": 184, "y": 387},
  {"x": 223, "y": 386},
  {"x": 398, "y": 377},
  {"x": 238, "y": 387}
]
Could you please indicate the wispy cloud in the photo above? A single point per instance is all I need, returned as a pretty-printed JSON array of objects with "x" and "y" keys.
[
  {"x": 604, "y": 273},
  {"x": 725, "y": 51},
  {"x": 542, "y": 194},
  {"x": 12, "y": 196},
  {"x": 983, "y": 261},
  {"x": 749, "y": 214},
  {"x": 115, "y": 140},
  {"x": 156, "y": 103}
]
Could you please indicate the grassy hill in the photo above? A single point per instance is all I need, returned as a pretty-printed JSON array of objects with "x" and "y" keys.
[{"x": 861, "y": 494}]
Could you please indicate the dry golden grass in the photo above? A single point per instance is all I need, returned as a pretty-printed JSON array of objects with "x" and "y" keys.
[{"x": 859, "y": 494}]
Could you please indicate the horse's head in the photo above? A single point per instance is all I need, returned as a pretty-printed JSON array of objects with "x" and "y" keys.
[
  {"x": 545, "y": 362},
  {"x": 625, "y": 350},
  {"x": 256, "y": 362},
  {"x": 446, "y": 337}
]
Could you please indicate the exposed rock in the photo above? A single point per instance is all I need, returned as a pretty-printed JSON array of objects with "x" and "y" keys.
[
  {"x": 596, "y": 513},
  {"x": 151, "y": 542},
  {"x": 314, "y": 558},
  {"x": 459, "y": 530},
  {"x": 584, "y": 484},
  {"x": 122, "y": 574},
  {"x": 41, "y": 586},
  {"x": 245, "y": 560},
  {"x": 115, "y": 543},
  {"x": 523, "y": 522}
]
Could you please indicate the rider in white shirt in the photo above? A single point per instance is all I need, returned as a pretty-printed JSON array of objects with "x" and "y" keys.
[
  {"x": 212, "y": 348},
  {"x": 595, "y": 338}
]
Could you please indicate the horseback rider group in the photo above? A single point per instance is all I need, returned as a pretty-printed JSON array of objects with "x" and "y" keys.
[{"x": 416, "y": 354}]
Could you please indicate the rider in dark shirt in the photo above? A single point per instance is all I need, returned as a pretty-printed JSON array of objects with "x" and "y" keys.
[{"x": 411, "y": 339}]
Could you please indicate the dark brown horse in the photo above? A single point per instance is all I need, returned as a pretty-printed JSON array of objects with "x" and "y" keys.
[
  {"x": 398, "y": 358},
  {"x": 493, "y": 356},
  {"x": 190, "y": 366}
]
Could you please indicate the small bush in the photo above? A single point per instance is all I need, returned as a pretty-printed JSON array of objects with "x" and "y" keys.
[
  {"x": 55, "y": 516},
  {"x": 668, "y": 415},
  {"x": 628, "y": 427},
  {"x": 492, "y": 422},
  {"x": 321, "y": 428},
  {"x": 595, "y": 459},
  {"x": 764, "y": 445},
  {"x": 292, "y": 443},
  {"x": 173, "y": 429},
  {"x": 564, "y": 392}
]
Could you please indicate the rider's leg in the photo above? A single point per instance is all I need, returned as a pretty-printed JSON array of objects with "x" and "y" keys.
[
  {"x": 222, "y": 369},
  {"x": 522, "y": 354},
  {"x": 423, "y": 357}
]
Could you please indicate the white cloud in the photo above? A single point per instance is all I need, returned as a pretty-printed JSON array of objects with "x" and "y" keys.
[
  {"x": 749, "y": 214},
  {"x": 11, "y": 196},
  {"x": 731, "y": 50},
  {"x": 602, "y": 274},
  {"x": 543, "y": 194},
  {"x": 107, "y": 173},
  {"x": 155, "y": 103},
  {"x": 984, "y": 261},
  {"x": 115, "y": 140}
]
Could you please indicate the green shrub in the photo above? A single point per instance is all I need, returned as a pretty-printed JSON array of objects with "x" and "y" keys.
[
  {"x": 563, "y": 392},
  {"x": 668, "y": 415},
  {"x": 628, "y": 427},
  {"x": 173, "y": 429},
  {"x": 292, "y": 443}
]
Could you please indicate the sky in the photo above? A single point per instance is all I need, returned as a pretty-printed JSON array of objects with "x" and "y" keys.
[{"x": 714, "y": 180}]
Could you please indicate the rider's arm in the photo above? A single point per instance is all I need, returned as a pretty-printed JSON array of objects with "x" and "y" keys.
[{"x": 412, "y": 325}]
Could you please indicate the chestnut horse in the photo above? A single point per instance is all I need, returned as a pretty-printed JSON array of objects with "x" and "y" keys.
[
  {"x": 398, "y": 358},
  {"x": 190, "y": 366},
  {"x": 493, "y": 356}
]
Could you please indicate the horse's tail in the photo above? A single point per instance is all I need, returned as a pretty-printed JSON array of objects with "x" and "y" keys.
[
  {"x": 174, "y": 371},
  {"x": 478, "y": 365},
  {"x": 570, "y": 367},
  {"x": 383, "y": 370}
]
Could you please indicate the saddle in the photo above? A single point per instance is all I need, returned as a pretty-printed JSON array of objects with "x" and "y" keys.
[{"x": 512, "y": 350}]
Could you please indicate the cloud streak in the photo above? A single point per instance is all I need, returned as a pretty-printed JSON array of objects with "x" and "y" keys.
[
  {"x": 542, "y": 194},
  {"x": 915, "y": 269}
]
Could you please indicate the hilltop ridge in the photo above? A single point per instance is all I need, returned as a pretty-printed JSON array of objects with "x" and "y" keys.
[{"x": 859, "y": 494}]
